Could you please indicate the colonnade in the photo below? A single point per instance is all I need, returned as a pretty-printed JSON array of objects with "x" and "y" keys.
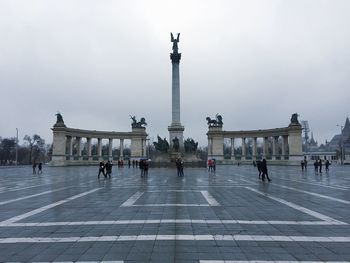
[
  {"x": 280, "y": 144},
  {"x": 72, "y": 141},
  {"x": 65, "y": 140}
]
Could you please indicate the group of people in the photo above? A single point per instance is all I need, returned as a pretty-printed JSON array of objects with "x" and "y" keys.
[
  {"x": 318, "y": 166},
  {"x": 143, "y": 165},
  {"x": 303, "y": 164},
  {"x": 262, "y": 169},
  {"x": 211, "y": 165},
  {"x": 40, "y": 168},
  {"x": 180, "y": 167},
  {"x": 105, "y": 169}
]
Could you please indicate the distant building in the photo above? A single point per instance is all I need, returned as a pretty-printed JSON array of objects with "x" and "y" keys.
[
  {"x": 342, "y": 139},
  {"x": 330, "y": 150}
]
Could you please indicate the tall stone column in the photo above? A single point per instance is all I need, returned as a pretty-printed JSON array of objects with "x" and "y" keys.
[
  {"x": 284, "y": 146},
  {"x": 121, "y": 155},
  {"x": 176, "y": 129},
  {"x": 99, "y": 149},
  {"x": 254, "y": 148},
  {"x": 233, "y": 149},
  {"x": 110, "y": 147},
  {"x": 265, "y": 147},
  {"x": 274, "y": 147},
  {"x": 70, "y": 147},
  {"x": 244, "y": 149},
  {"x": 88, "y": 145},
  {"x": 79, "y": 148}
]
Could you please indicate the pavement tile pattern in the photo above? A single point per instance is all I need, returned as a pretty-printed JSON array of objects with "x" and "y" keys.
[{"x": 67, "y": 214}]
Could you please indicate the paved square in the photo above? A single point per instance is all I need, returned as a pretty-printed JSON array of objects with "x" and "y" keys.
[{"x": 68, "y": 215}]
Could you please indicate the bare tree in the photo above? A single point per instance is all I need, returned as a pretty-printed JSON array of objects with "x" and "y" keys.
[{"x": 36, "y": 146}]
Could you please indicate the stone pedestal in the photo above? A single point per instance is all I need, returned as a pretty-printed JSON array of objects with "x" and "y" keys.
[
  {"x": 59, "y": 145},
  {"x": 215, "y": 143},
  {"x": 295, "y": 143},
  {"x": 176, "y": 131},
  {"x": 138, "y": 143}
]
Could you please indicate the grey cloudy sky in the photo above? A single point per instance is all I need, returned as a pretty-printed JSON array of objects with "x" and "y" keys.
[{"x": 254, "y": 62}]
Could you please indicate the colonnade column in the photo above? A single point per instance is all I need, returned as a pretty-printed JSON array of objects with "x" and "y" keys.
[
  {"x": 244, "y": 150},
  {"x": 79, "y": 147},
  {"x": 233, "y": 149},
  {"x": 99, "y": 148},
  {"x": 88, "y": 141},
  {"x": 254, "y": 148},
  {"x": 284, "y": 146},
  {"x": 70, "y": 147},
  {"x": 265, "y": 149},
  {"x": 274, "y": 144},
  {"x": 110, "y": 146},
  {"x": 121, "y": 156}
]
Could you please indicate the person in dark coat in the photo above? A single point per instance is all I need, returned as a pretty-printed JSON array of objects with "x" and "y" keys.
[
  {"x": 141, "y": 163},
  {"x": 264, "y": 171},
  {"x": 302, "y": 165},
  {"x": 101, "y": 170},
  {"x": 34, "y": 167},
  {"x": 316, "y": 167},
  {"x": 320, "y": 165},
  {"x": 327, "y": 164},
  {"x": 108, "y": 167},
  {"x": 258, "y": 166},
  {"x": 40, "y": 168},
  {"x": 145, "y": 168}
]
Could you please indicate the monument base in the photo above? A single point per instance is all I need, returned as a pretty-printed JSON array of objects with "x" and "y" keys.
[{"x": 176, "y": 131}]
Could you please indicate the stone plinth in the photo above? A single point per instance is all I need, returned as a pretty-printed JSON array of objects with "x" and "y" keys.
[
  {"x": 176, "y": 131},
  {"x": 59, "y": 145},
  {"x": 295, "y": 143},
  {"x": 215, "y": 143},
  {"x": 138, "y": 143}
]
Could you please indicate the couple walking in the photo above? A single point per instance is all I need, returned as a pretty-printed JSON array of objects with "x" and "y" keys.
[{"x": 262, "y": 168}]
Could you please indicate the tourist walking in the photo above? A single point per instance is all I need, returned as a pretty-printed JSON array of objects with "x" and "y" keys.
[
  {"x": 210, "y": 165},
  {"x": 40, "y": 168},
  {"x": 302, "y": 165},
  {"x": 258, "y": 166},
  {"x": 316, "y": 166},
  {"x": 108, "y": 168},
  {"x": 141, "y": 163},
  {"x": 145, "y": 168},
  {"x": 101, "y": 170},
  {"x": 320, "y": 165},
  {"x": 264, "y": 171},
  {"x": 327, "y": 164},
  {"x": 305, "y": 164},
  {"x": 34, "y": 167}
]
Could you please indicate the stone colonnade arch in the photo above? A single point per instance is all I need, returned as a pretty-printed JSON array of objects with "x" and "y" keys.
[
  {"x": 287, "y": 140},
  {"x": 64, "y": 140}
]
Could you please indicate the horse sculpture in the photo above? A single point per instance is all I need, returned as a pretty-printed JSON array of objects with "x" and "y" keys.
[
  {"x": 217, "y": 122},
  {"x": 136, "y": 124}
]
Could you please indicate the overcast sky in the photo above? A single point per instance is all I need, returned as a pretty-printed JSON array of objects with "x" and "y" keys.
[{"x": 97, "y": 62}]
